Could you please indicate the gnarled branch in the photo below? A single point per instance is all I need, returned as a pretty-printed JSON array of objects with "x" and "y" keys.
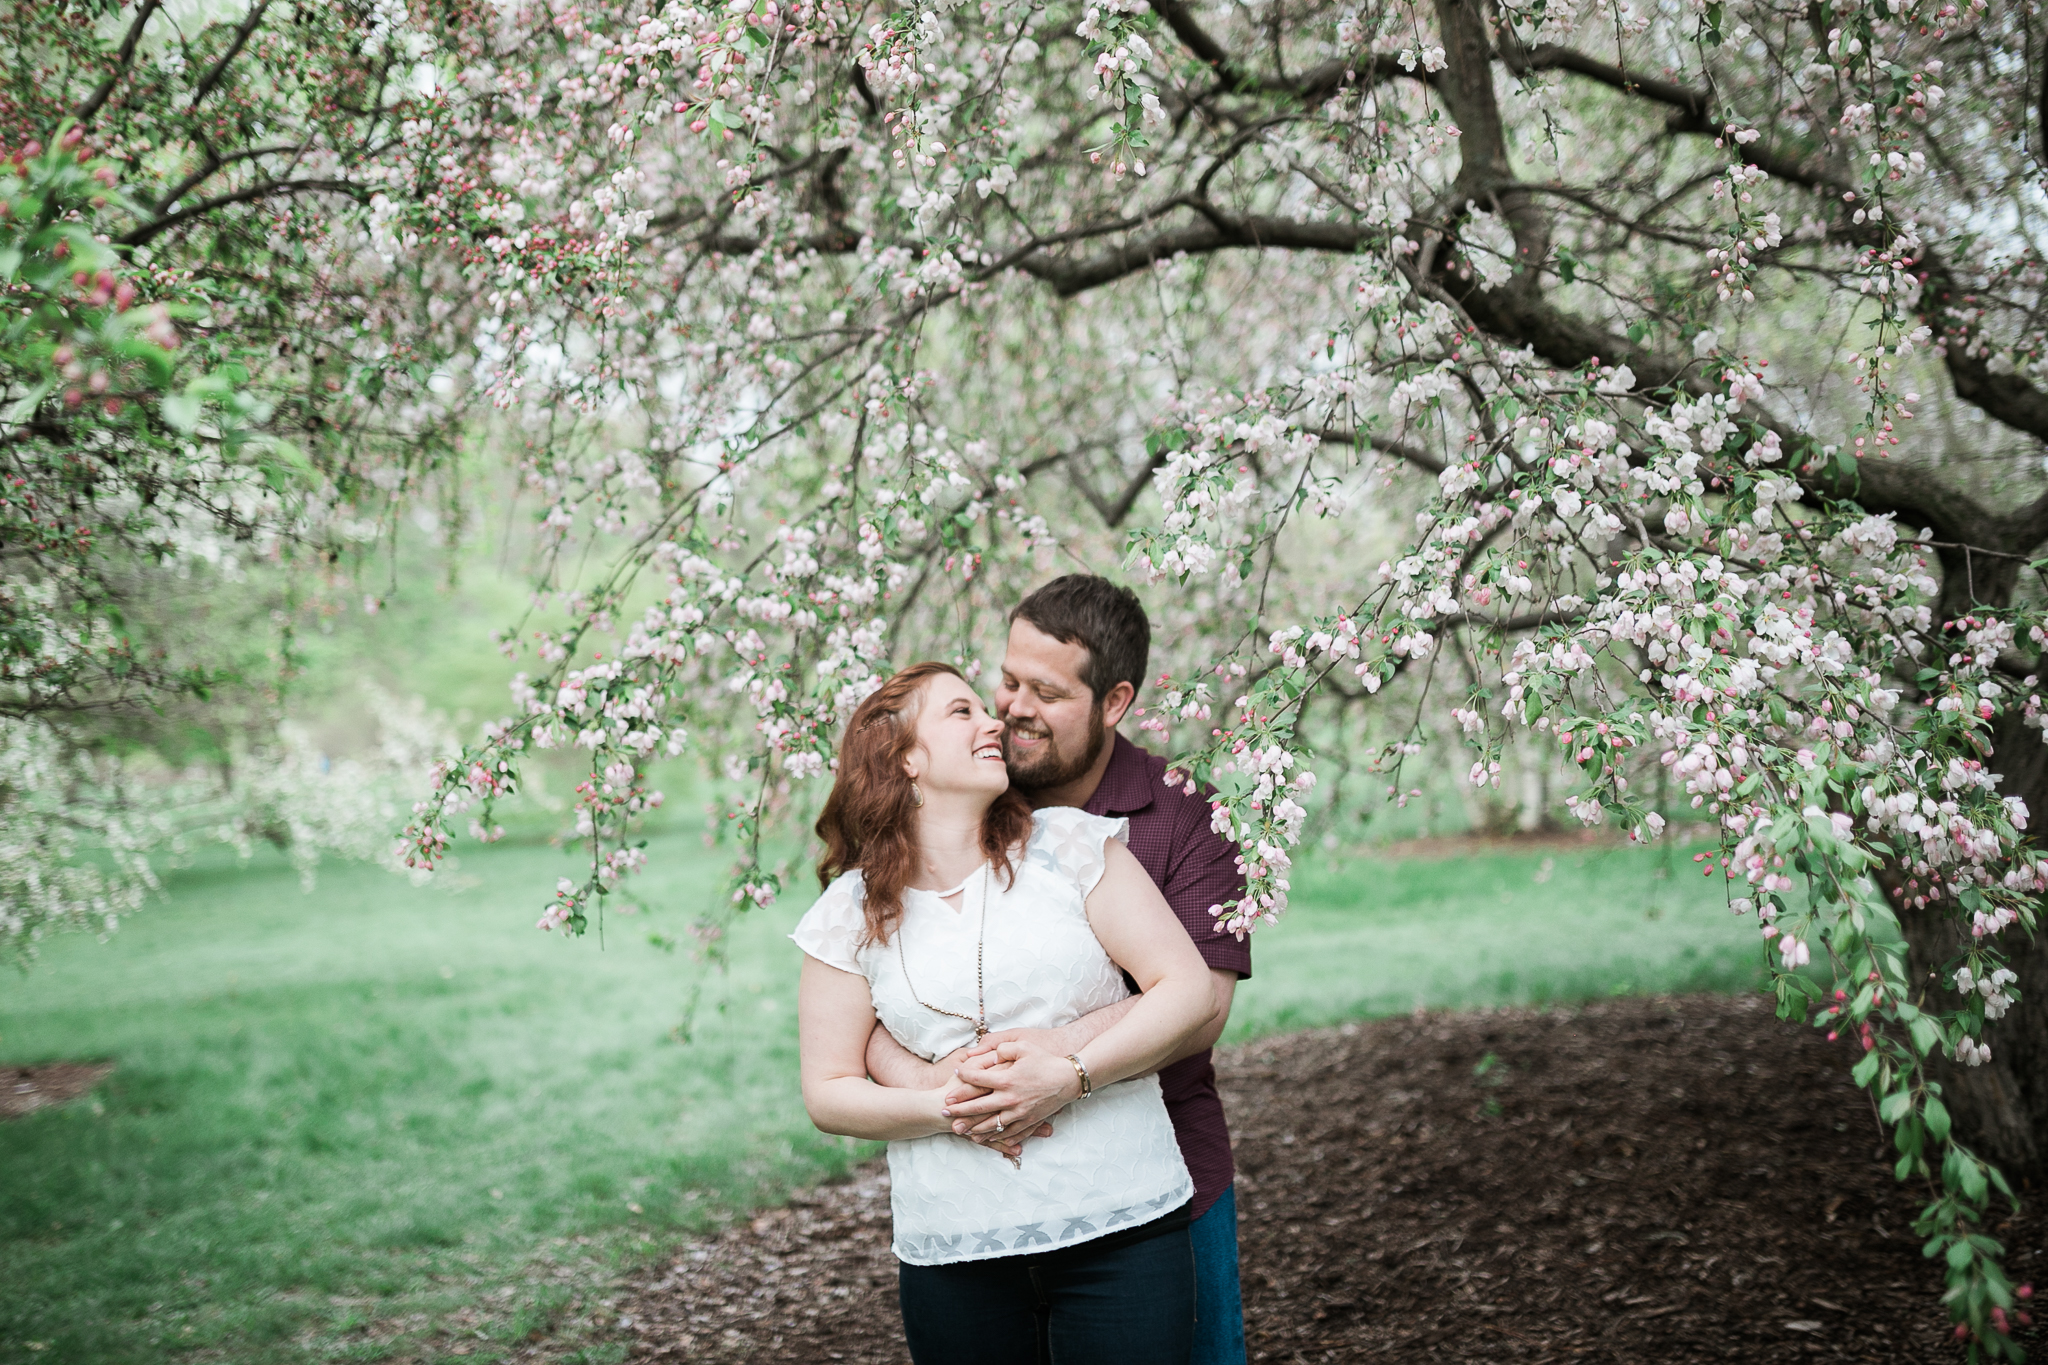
[{"x": 122, "y": 57}]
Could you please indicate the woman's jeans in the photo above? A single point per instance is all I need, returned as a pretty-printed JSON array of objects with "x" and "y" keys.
[{"x": 1133, "y": 1304}]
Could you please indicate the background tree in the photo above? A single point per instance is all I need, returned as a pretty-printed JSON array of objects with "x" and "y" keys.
[
  {"x": 186, "y": 371},
  {"x": 1604, "y": 327}
]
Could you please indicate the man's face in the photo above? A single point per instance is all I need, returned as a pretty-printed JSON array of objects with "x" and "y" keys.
[{"x": 1053, "y": 730}]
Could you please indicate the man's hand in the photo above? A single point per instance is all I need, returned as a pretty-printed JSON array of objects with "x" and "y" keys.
[{"x": 1025, "y": 1083}]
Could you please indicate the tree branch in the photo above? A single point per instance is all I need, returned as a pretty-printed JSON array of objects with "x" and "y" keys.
[
  {"x": 1219, "y": 231},
  {"x": 1114, "y": 512},
  {"x": 1692, "y": 110},
  {"x": 2009, "y": 398},
  {"x": 1386, "y": 445},
  {"x": 1315, "y": 84},
  {"x": 158, "y": 226},
  {"x": 1197, "y": 40},
  {"x": 220, "y": 68},
  {"x": 215, "y": 163},
  {"x": 122, "y": 56}
]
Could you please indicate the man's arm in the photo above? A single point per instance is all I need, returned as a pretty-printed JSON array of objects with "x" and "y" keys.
[
  {"x": 1085, "y": 1030},
  {"x": 896, "y": 1066}
]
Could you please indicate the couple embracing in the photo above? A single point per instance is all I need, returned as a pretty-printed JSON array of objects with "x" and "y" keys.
[{"x": 1013, "y": 977}]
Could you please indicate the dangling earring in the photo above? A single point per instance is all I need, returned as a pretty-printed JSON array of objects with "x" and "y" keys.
[{"x": 916, "y": 796}]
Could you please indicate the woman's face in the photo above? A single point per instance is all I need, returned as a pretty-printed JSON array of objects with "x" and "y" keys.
[{"x": 959, "y": 746}]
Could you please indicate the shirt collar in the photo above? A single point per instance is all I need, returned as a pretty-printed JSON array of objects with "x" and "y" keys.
[{"x": 1126, "y": 785}]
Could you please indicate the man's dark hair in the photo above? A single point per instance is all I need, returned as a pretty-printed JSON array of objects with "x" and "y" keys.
[{"x": 1104, "y": 619}]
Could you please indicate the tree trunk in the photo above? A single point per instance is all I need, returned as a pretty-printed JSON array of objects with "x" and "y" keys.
[{"x": 2000, "y": 1108}]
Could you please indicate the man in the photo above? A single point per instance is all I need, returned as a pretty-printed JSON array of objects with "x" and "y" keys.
[{"x": 1076, "y": 658}]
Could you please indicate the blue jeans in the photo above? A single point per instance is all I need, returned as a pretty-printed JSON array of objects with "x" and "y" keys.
[
  {"x": 1133, "y": 1304},
  {"x": 1219, "y": 1309}
]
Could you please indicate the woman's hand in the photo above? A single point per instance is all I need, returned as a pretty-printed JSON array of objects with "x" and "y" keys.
[{"x": 1011, "y": 1088}]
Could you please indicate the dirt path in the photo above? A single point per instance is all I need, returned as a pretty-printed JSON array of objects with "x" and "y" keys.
[
  {"x": 1638, "y": 1181},
  {"x": 25, "y": 1089}
]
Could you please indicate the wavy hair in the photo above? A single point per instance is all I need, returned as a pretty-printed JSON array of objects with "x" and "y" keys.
[{"x": 870, "y": 822}]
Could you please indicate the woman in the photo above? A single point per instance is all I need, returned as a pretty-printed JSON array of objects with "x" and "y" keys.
[{"x": 951, "y": 909}]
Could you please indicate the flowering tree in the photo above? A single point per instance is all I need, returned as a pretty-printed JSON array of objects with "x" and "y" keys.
[
  {"x": 1533, "y": 376},
  {"x": 858, "y": 283},
  {"x": 182, "y": 439}
]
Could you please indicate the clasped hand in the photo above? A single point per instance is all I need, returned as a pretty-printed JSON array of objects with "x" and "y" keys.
[{"x": 1007, "y": 1087}]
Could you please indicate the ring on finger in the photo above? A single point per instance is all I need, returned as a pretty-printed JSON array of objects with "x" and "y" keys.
[{"x": 999, "y": 1123}]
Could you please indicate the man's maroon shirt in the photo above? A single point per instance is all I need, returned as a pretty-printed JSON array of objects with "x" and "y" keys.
[{"x": 1195, "y": 868}]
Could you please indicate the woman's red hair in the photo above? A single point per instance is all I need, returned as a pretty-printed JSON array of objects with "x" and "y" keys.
[{"x": 870, "y": 820}]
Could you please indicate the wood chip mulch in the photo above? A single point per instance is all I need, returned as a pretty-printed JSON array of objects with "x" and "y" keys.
[
  {"x": 25, "y": 1089},
  {"x": 1651, "y": 1180}
]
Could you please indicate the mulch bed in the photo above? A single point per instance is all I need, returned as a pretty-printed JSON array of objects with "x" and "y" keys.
[
  {"x": 25, "y": 1089},
  {"x": 1664, "y": 1180}
]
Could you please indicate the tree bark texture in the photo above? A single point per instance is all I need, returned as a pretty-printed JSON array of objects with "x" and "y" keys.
[{"x": 2001, "y": 1107}]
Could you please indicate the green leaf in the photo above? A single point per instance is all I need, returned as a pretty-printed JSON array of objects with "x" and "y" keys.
[
  {"x": 1926, "y": 1035},
  {"x": 1910, "y": 1137},
  {"x": 28, "y": 403},
  {"x": 1173, "y": 438},
  {"x": 1936, "y": 1116},
  {"x": 1895, "y": 1106},
  {"x": 1865, "y": 1069},
  {"x": 1960, "y": 1254},
  {"x": 182, "y": 411}
]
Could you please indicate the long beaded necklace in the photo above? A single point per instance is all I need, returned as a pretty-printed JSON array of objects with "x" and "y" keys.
[{"x": 980, "y": 999}]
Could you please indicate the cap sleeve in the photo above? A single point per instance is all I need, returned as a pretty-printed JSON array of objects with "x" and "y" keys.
[
  {"x": 832, "y": 929},
  {"x": 1075, "y": 841}
]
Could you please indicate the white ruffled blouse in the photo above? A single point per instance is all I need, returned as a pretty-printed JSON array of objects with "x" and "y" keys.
[{"x": 1112, "y": 1161}]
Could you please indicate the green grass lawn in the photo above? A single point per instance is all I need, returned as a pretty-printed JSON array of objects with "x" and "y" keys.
[{"x": 382, "y": 1121}]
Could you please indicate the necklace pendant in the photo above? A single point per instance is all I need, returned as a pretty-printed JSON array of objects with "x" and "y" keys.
[{"x": 980, "y": 1032}]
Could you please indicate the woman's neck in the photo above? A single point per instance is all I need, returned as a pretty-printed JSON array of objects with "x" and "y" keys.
[{"x": 948, "y": 843}]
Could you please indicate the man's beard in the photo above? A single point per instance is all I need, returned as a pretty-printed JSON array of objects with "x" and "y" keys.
[{"x": 1048, "y": 767}]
